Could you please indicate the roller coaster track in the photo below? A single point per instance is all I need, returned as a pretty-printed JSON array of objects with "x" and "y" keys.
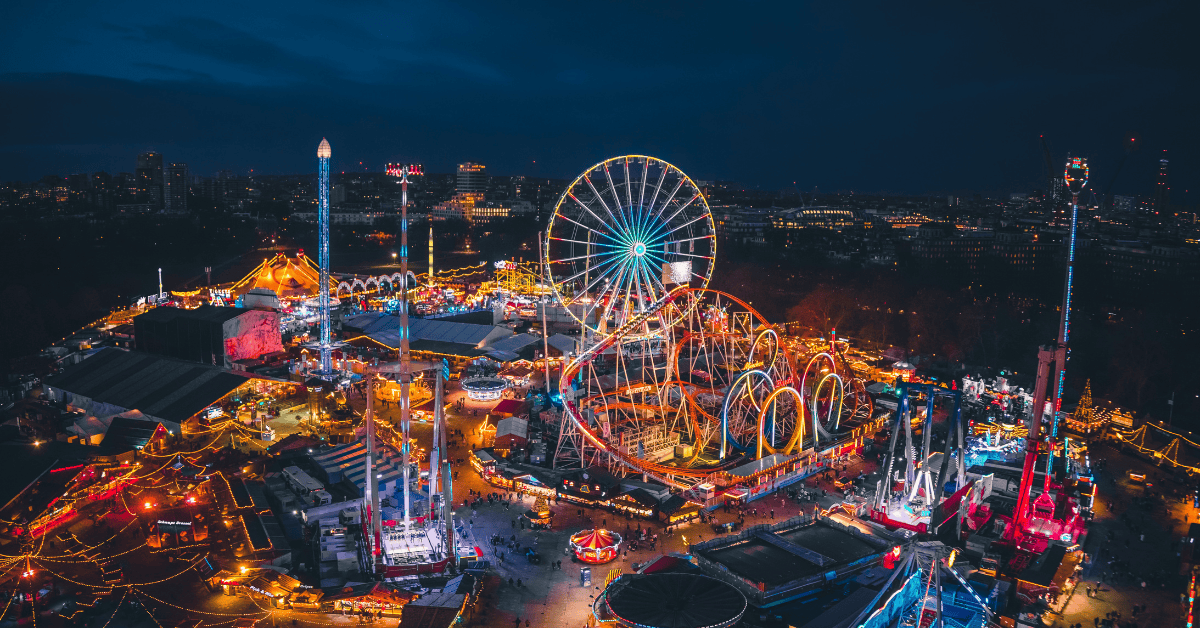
[
  {"x": 703, "y": 423},
  {"x": 675, "y": 475}
]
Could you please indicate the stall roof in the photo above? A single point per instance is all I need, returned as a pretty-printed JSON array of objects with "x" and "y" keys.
[
  {"x": 159, "y": 386},
  {"x": 508, "y": 349},
  {"x": 127, "y": 434},
  {"x": 674, "y": 504},
  {"x": 447, "y": 347},
  {"x": 565, "y": 344},
  {"x": 259, "y": 539},
  {"x": 509, "y": 406},
  {"x": 421, "y": 328},
  {"x": 515, "y": 426},
  {"x": 641, "y": 497},
  {"x": 241, "y": 496}
]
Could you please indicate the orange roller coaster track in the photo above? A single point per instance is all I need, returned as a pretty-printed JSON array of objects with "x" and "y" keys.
[{"x": 571, "y": 407}]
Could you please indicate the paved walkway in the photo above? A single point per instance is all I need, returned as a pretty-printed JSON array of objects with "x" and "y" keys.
[{"x": 1153, "y": 560}]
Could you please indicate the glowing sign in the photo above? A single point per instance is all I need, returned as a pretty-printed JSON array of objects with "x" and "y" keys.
[{"x": 399, "y": 170}]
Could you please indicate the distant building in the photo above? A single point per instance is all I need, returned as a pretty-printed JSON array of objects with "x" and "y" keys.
[
  {"x": 337, "y": 194},
  {"x": 832, "y": 218},
  {"x": 1162, "y": 185},
  {"x": 472, "y": 208},
  {"x": 1009, "y": 249},
  {"x": 175, "y": 188},
  {"x": 734, "y": 223},
  {"x": 150, "y": 178},
  {"x": 472, "y": 178},
  {"x": 342, "y": 217}
]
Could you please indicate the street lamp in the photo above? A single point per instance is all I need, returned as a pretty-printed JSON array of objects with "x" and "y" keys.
[{"x": 393, "y": 257}]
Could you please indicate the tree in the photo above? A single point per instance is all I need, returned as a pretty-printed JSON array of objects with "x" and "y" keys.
[{"x": 823, "y": 309}]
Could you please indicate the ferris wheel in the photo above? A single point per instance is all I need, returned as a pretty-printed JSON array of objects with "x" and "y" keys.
[{"x": 625, "y": 233}]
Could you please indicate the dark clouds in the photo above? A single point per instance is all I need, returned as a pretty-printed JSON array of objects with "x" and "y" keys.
[{"x": 864, "y": 96}]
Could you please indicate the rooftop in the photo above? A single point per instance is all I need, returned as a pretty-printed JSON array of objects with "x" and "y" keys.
[
  {"x": 789, "y": 551},
  {"x": 159, "y": 386},
  {"x": 206, "y": 313}
]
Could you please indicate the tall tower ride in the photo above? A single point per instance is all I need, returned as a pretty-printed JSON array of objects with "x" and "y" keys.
[
  {"x": 1048, "y": 386},
  {"x": 1076, "y": 178},
  {"x": 405, "y": 356},
  {"x": 323, "y": 154}
]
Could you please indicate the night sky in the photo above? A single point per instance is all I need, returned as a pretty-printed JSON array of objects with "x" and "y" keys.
[{"x": 869, "y": 97}]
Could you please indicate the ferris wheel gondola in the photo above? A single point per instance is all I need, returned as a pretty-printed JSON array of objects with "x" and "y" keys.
[{"x": 622, "y": 235}]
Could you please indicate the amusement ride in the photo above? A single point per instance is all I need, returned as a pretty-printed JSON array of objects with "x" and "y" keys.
[{"x": 674, "y": 379}]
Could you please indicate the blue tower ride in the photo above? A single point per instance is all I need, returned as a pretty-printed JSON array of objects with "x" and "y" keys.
[
  {"x": 1076, "y": 177},
  {"x": 323, "y": 154}
]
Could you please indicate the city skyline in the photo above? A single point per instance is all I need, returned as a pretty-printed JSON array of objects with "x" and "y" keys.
[{"x": 869, "y": 100}]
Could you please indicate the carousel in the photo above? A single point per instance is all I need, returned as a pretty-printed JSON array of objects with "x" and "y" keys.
[
  {"x": 484, "y": 388},
  {"x": 596, "y": 546}
]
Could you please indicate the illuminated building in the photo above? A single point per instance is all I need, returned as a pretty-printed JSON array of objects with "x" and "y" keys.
[
  {"x": 208, "y": 335},
  {"x": 472, "y": 179},
  {"x": 739, "y": 224},
  {"x": 1007, "y": 248},
  {"x": 150, "y": 178},
  {"x": 460, "y": 207},
  {"x": 1162, "y": 186},
  {"x": 832, "y": 218},
  {"x": 342, "y": 217},
  {"x": 175, "y": 188}
]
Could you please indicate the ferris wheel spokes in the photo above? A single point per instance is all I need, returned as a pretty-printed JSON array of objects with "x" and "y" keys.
[{"x": 609, "y": 237}]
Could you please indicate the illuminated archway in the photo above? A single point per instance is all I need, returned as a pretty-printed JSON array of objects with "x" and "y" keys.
[{"x": 797, "y": 433}]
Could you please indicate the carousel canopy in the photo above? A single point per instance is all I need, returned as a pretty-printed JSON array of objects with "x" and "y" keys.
[{"x": 595, "y": 539}]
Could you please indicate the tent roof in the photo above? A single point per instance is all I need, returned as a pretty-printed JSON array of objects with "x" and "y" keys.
[
  {"x": 286, "y": 276},
  {"x": 509, "y": 406},
  {"x": 157, "y": 385},
  {"x": 596, "y": 539}
]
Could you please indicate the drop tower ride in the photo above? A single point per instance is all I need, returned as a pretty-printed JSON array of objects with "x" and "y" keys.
[{"x": 323, "y": 154}]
